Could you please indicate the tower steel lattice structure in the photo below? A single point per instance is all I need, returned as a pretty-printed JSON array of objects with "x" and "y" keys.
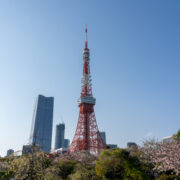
[{"x": 87, "y": 136}]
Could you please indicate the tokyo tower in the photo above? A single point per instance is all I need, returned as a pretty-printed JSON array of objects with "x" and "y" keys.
[{"x": 87, "y": 136}]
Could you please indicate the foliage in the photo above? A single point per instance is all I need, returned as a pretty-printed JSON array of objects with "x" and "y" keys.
[
  {"x": 4, "y": 167},
  {"x": 31, "y": 166},
  {"x": 168, "y": 177},
  {"x": 60, "y": 169},
  {"x": 178, "y": 133},
  {"x": 176, "y": 136},
  {"x": 84, "y": 172},
  {"x": 154, "y": 159},
  {"x": 164, "y": 156},
  {"x": 85, "y": 168},
  {"x": 119, "y": 164},
  {"x": 65, "y": 168}
]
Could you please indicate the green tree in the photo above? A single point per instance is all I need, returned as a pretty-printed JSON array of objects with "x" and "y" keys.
[
  {"x": 28, "y": 167},
  {"x": 84, "y": 172},
  {"x": 119, "y": 164},
  {"x": 65, "y": 168},
  {"x": 4, "y": 166},
  {"x": 176, "y": 136},
  {"x": 178, "y": 133}
]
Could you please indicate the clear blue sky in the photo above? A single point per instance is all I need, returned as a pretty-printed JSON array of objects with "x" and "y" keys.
[{"x": 135, "y": 66}]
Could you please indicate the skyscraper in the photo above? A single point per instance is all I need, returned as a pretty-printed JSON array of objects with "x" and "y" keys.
[
  {"x": 66, "y": 143},
  {"x": 9, "y": 152},
  {"x": 103, "y": 136},
  {"x": 41, "y": 130},
  {"x": 59, "y": 139}
]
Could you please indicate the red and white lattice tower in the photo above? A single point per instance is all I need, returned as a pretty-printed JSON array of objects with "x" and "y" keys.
[{"x": 87, "y": 136}]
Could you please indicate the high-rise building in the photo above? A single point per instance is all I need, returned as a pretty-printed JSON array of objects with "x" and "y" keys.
[
  {"x": 132, "y": 145},
  {"x": 9, "y": 152},
  {"x": 112, "y": 146},
  {"x": 27, "y": 149},
  {"x": 103, "y": 136},
  {"x": 168, "y": 139},
  {"x": 59, "y": 139},
  {"x": 66, "y": 143},
  {"x": 87, "y": 136},
  {"x": 41, "y": 131}
]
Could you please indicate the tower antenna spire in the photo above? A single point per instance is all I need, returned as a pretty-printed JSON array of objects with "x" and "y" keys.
[{"x": 86, "y": 43}]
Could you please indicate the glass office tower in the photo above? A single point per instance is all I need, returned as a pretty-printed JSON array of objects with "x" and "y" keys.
[
  {"x": 59, "y": 139},
  {"x": 41, "y": 130},
  {"x": 103, "y": 136},
  {"x": 66, "y": 143}
]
